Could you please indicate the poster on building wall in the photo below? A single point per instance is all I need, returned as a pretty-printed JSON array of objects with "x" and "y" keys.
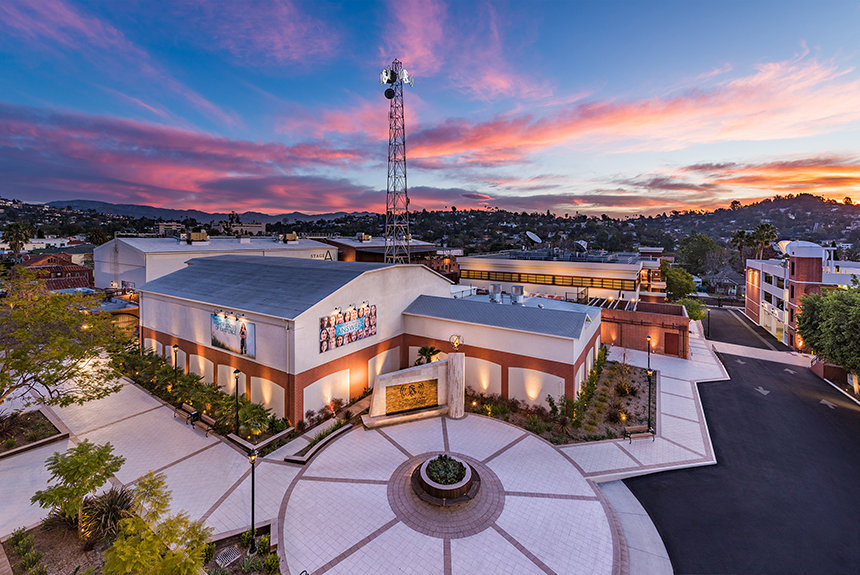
[
  {"x": 347, "y": 326},
  {"x": 233, "y": 334}
]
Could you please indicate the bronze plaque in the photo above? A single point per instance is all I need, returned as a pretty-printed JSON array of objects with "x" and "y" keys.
[{"x": 409, "y": 396}]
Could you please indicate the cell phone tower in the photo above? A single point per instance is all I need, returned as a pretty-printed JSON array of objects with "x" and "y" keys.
[{"x": 397, "y": 235}]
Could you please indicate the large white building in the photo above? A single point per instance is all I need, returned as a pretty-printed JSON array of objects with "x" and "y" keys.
[
  {"x": 132, "y": 262},
  {"x": 577, "y": 277},
  {"x": 774, "y": 287},
  {"x": 304, "y": 331}
]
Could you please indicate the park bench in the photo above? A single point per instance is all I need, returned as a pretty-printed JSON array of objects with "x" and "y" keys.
[
  {"x": 186, "y": 413},
  {"x": 205, "y": 423},
  {"x": 632, "y": 432}
]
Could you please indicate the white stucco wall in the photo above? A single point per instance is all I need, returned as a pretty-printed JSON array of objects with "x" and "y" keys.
[
  {"x": 483, "y": 376},
  {"x": 390, "y": 289},
  {"x": 192, "y": 321},
  {"x": 269, "y": 394},
  {"x": 117, "y": 261},
  {"x": 533, "y": 386},
  {"x": 202, "y": 367},
  {"x": 385, "y": 362},
  {"x": 504, "y": 340},
  {"x": 226, "y": 380},
  {"x": 322, "y": 391}
]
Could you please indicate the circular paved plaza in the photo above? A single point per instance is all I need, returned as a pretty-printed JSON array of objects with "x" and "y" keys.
[{"x": 352, "y": 509}]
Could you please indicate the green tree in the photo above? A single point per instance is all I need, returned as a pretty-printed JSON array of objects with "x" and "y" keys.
[
  {"x": 52, "y": 346},
  {"x": 77, "y": 473},
  {"x": 739, "y": 241},
  {"x": 98, "y": 236},
  {"x": 829, "y": 324},
  {"x": 426, "y": 354},
  {"x": 155, "y": 543},
  {"x": 693, "y": 252},
  {"x": 764, "y": 235},
  {"x": 16, "y": 235},
  {"x": 679, "y": 282},
  {"x": 694, "y": 307}
]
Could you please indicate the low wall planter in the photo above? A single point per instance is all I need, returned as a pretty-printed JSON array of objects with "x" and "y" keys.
[{"x": 441, "y": 494}]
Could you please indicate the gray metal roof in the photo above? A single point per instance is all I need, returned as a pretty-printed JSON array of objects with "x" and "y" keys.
[
  {"x": 219, "y": 244},
  {"x": 280, "y": 287},
  {"x": 568, "y": 324}
]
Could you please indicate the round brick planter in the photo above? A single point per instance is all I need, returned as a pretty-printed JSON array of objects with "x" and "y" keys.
[{"x": 440, "y": 494}]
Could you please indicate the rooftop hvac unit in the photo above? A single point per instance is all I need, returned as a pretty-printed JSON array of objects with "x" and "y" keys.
[
  {"x": 517, "y": 295},
  {"x": 198, "y": 236},
  {"x": 360, "y": 237},
  {"x": 496, "y": 293},
  {"x": 291, "y": 237}
]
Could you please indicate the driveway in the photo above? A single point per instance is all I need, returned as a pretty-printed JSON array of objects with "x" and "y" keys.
[
  {"x": 784, "y": 496},
  {"x": 730, "y": 325}
]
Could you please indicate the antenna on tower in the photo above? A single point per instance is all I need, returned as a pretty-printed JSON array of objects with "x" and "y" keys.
[{"x": 397, "y": 235}]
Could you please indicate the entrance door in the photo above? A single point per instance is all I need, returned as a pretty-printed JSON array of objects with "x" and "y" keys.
[{"x": 671, "y": 341}]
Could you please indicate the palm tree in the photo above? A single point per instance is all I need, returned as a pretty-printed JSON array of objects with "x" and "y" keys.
[
  {"x": 426, "y": 354},
  {"x": 764, "y": 235},
  {"x": 17, "y": 234},
  {"x": 739, "y": 241}
]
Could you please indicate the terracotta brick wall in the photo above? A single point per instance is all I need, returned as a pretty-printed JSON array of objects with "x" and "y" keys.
[{"x": 631, "y": 329}]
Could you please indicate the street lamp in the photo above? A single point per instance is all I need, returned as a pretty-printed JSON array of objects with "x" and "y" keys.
[
  {"x": 649, "y": 382},
  {"x": 175, "y": 364},
  {"x": 709, "y": 324},
  {"x": 236, "y": 373},
  {"x": 252, "y": 457}
]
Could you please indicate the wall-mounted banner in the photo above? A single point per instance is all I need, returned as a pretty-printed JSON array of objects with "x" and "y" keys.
[
  {"x": 233, "y": 334},
  {"x": 344, "y": 327}
]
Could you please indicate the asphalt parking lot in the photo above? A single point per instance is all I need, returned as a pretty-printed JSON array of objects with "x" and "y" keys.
[{"x": 785, "y": 494}]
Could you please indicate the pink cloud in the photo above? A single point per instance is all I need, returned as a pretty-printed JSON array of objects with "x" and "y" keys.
[
  {"x": 270, "y": 32},
  {"x": 417, "y": 35},
  {"x": 790, "y": 99}
]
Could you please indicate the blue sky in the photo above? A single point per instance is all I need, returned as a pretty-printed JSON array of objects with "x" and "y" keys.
[{"x": 599, "y": 107}]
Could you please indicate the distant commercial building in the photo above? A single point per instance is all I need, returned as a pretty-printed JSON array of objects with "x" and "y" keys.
[
  {"x": 249, "y": 229},
  {"x": 774, "y": 287},
  {"x": 367, "y": 248},
  {"x": 170, "y": 228},
  {"x": 302, "y": 332},
  {"x": 576, "y": 277},
  {"x": 130, "y": 262}
]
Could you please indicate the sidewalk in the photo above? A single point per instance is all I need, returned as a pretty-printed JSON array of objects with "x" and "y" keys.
[{"x": 682, "y": 433}]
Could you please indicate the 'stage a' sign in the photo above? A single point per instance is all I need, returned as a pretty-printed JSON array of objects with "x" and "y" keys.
[{"x": 409, "y": 396}]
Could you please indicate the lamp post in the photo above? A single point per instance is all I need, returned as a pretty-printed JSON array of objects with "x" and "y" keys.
[
  {"x": 253, "y": 459},
  {"x": 175, "y": 364},
  {"x": 649, "y": 383},
  {"x": 236, "y": 373},
  {"x": 709, "y": 323}
]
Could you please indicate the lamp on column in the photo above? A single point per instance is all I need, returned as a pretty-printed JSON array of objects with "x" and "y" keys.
[
  {"x": 175, "y": 364},
  {"x": 649, "y": 382},
  {"x": 252, "y": 458},
  {"x": 236, "y": 373}
]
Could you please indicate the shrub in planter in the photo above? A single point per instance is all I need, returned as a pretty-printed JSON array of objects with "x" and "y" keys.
[
  {"x": 251, "y": 564},
  {"x": 101, "y": 515},
  {"x": 265, "y": 542},
  {"x": 30, "y": 559},
  {"x": 208, "y": 552},
  {"x": 17, "y": 536},
  {"x": 272, "y": 564},
  {"x": 445, "y": 470},
  {"x": 245, "y": 538}
]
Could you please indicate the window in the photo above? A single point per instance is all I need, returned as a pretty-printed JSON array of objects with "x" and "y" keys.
[
  {"x": 792, "y": 269},
  {"x": 768, "y": 279},
  {"x": 791, "y": 292},
  {"x": 791, "y": 316},
  {"x": 780, "y": 283},
  {"x": 768, "y": 298}
]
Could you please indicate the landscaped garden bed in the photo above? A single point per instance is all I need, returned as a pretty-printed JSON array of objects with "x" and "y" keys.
[
  {"x": 20, "y": 429},
  {"x": 615, "y": 396}
]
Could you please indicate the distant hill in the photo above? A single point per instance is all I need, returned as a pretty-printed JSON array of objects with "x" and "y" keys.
[{"x": 139, "y": 211}]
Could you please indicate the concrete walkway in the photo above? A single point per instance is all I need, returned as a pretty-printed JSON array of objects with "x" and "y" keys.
[
  {"x": 682, "y": 438},
  {"x": 208, "y": 476}
]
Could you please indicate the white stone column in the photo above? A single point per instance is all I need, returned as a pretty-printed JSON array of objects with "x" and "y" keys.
[{"x": 456, "y": 385}]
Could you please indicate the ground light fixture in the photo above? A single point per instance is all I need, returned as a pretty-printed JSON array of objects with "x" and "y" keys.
[
  {"x": 252, "y": 459},
  {"x": 236, "y": 373}
]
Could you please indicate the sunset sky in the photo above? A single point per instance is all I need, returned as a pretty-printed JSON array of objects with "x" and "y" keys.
[{"x": 599, "y": 107}]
